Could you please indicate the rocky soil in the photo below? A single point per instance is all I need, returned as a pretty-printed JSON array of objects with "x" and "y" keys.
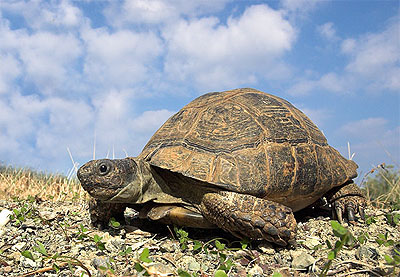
[{"x": 55, "y": 239}]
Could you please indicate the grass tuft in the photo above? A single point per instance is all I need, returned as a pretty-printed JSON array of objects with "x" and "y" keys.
[{"x": 19, "y": 183}]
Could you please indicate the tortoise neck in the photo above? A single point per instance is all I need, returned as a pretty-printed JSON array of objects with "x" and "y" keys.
[{"x": 154, "y": 188}]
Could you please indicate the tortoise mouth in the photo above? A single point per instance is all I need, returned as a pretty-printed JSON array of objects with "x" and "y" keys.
[{"x": 102, "y": 193}]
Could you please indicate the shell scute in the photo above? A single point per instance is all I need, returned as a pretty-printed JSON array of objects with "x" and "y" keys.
[{"x": 251, "y": 142}]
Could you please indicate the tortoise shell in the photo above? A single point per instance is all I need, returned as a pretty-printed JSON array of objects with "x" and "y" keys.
[{"x": 251, "y": 142}]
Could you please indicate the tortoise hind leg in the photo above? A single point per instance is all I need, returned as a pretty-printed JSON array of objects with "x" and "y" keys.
[
  {"x": 347, "y": 200},
  {"x": 248, "y": 216}
]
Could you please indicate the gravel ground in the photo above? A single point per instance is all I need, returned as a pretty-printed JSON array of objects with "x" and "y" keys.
[{"x": 62, "y": 243}]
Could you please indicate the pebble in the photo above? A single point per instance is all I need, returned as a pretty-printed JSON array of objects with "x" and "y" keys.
[
  {"x": 190, "y": 263},
  {"x": 367, "y": 253},
  {"x": 159, "y": 269},
  {"x": 301, "y": 259},
  {"x": 168, "y": 246},
  {"x": 5, "y": 217},
  {"x": 311, "y": 242},
  {"x": 256, "y": 271},
  {"x": 115, "y": 245},
  {"x": 26, "y": 262}
]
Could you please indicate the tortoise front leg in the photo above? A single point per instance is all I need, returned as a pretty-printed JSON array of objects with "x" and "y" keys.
[
  {"x": 101, "y": 213},
  {"x": 252, "y": 217},
  {"x": 248, "y": 216}
]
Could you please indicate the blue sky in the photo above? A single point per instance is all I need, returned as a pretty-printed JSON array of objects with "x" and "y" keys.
[{"x": 111, "y": 72}]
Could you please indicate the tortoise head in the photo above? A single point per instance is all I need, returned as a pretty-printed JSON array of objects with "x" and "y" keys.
[{"x": 116, "y": 180}]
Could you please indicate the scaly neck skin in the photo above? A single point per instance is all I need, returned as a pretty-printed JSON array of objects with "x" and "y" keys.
[{"x": 144, "y": 186}]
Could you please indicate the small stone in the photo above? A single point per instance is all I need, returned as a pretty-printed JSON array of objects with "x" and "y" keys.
[
  {"x": 160, "y": 269},
  {"x": 7, "y": 269},
  {"x": 48, "y": 215},
  {"x": 115, "y": 245},
  {"x": 5, "y": 217},
  {"x": 367, "y": 253},
  {"x": 168, "y": 246},
  {"x": 18, "y": 246},
  {"x": 98, "y": 262},
  {"x": 301, "y": 259},
  {"x": 311, "y": 242},
  {"x": 256, "y": 271},
  {"x": 26, "y": 262},
  {"x": 190, "y": 263}
]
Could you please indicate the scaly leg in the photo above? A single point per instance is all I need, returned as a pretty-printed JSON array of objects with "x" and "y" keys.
[{"x": 248, "y": 216}]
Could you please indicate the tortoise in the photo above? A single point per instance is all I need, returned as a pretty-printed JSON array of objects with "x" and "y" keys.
[{"x": 241, "y": 160}]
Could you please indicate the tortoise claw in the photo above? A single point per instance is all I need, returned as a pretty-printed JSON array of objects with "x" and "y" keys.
[
  {"x": 339, "y": 211},
  {"x": 350, "y": 214},
  {"x": 361, "y": 212}
]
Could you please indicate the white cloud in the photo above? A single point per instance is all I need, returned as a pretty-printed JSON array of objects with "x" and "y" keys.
[
  {"x": 120, "y": 59},
  {"x": 44, "y": 58},
  {"x": 159, "y": 11},
  {"x": 213, "y": 54},
  {"x": 375, "y": 58},
  {"x": 373, "y": 65},
  {"x": 348, "y": 45},
  {"x": 327, "y": 31},
  {"x": 46, "y": 15},
  {"x": 372, "y": 127},
  {"x": 149, "y": 121},
  {"x": 9, "y": 70},
  {"x": 298, "y": 8},
  {"x": 373, "y": 141},
  {"x": 330, "y": 82}
]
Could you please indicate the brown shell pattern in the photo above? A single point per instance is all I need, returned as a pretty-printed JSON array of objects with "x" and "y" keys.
[{"x": 251, "y": 142}]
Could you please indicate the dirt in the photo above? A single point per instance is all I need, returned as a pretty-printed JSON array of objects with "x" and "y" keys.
[{"x": 62, "y": 243}]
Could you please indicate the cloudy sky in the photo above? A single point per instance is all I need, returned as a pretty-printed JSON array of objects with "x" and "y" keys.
[{"x": 111, "y": 72}]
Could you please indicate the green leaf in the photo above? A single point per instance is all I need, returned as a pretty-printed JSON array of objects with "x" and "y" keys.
[
  {"x": 220, "y": 273},
  {"x": 220, "y": 246},
  {"x": 388, "y": 259},
  {"x": 338, "y": 229},
  {"x": 27, "y": 254},
  {"x": 97, "y": 238},
  {"x": 329, "y": 244},
  {"x": 113, "y": 223},
  {"x": 331, "y": 255},
  {"x": 144, "y": 256},
  {"x": 197, "y": 245},
  {"x": 139, "y": 267},
  {"x": 244, "y": 243},
  {"x": 182, "y": 273},
  {"x": 128, "y": 250},
  {"x": 276, "y": 274},
  {"x": 56, "y": 267},
  {"x": 40, "y": 248}
]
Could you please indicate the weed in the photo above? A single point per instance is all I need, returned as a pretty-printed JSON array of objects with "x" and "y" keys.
[
  {"x": 57, "y": 260},
  {"x": 345, "y": 239}
]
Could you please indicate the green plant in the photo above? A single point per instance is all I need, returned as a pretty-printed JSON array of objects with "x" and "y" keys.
[
  {"x": 383, "y": 240},
  {"x": 143, "y": 258},
  {"x": 346, "y": 238},
  {"x": 58, "y": 261}
]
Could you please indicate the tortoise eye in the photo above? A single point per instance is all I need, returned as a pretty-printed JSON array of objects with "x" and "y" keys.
[{"x": 103, "y": 169}]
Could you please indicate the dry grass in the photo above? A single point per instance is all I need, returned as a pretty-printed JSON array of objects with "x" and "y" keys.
[
  {"x": 21, "y": 183},
  {"x": 382, "y": 186}
]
